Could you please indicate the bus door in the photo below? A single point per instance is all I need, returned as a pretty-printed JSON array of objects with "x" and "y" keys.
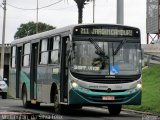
[
  {"x": 64, "y": 71},
  {"x": 18, "y": 70},
  {"x": 33, "y": 71}
]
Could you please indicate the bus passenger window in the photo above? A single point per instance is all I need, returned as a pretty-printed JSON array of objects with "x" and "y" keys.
[
  {"x": 54, "y": 57},
  {"x": 55, "y": 52},
  {"x": 44, "y": 52},
  {"x": 13, "y": 60},
  {"x": 26, "y": 55},
  {"x": 56, "y": 43}
]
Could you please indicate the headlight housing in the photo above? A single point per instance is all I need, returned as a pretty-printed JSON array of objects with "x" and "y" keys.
[
  {"x": 74, "y": 84},
  {"x": 139, "y": 86}
]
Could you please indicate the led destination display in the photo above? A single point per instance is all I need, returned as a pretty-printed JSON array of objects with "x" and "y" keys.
[
  {"x": 118, "y": 31},
  {"x": 111, "y": 32}
]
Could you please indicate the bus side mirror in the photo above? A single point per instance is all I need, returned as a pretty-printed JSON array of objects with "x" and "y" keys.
[{"x": 70, "y": 37}]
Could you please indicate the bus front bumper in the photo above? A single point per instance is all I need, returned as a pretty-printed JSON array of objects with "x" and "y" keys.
[{"x": 88, "y": 97}]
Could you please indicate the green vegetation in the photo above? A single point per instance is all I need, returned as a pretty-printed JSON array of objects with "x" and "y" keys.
[
  {"x": 150, "y": 91},
  {"x": 30, "y": 29},
  {"x": 80, "y": 5}
]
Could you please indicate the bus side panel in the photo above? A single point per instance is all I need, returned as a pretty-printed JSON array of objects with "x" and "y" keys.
[
  {"x": 25, "y": 79},
  {"x": 39, "y": 84},
  {"x": 45, "y": 78},
  {"x": 42, "y": 89},
  {"x": 12, "y": 82},
  {"x": 53, "y": 77}
]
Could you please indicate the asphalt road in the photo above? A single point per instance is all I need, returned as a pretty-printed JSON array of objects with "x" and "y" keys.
[{"x": 12, "y": 109}]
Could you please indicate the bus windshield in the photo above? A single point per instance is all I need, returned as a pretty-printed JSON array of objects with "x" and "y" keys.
[{"x": 97, "y": 57}]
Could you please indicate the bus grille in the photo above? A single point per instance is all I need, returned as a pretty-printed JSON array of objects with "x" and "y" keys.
[
  {"x": 104, "y": 80},
  {"x": 112, "y": 91},
  {"x": 109, "y": 81}
]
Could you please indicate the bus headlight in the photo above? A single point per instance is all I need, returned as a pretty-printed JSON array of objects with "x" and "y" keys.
[
  {"x": 74, "y": 84},
  {"x": 139, "y": 86}
]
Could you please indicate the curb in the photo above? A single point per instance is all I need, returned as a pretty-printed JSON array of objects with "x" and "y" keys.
[
  {"x": 139, "y": 112},
  {"x": 9, "y": 97},
  {"x": 145, "y": 67},
  {"x": 142, "y": 113}
]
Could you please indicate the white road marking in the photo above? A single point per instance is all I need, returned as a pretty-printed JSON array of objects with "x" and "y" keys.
[
  {"x": 14, "y": 113},
  {"x": 4, "y": 107}
]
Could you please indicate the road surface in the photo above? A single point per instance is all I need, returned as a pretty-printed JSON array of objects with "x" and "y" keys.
[{"x": 12, "y": 109}]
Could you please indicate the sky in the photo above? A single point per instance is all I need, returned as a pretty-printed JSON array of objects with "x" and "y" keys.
[{"x": 66, "y": 13}]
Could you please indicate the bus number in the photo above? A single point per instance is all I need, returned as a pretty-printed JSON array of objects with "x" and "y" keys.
[{"x": 85, "y": 31}]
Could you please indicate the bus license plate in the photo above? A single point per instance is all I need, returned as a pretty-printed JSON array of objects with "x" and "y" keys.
[{"x": 108, "y": 98}]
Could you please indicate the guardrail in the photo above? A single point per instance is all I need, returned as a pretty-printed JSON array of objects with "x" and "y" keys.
[{"x": 151, "y": 53}]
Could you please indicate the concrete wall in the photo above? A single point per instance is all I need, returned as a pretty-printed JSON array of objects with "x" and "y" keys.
[
  {"x": 6, "y": 59},
  {"x": 6, "y": 54}
]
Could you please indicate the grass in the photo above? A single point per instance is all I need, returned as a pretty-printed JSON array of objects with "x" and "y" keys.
[{"x": 150, "y": 91}]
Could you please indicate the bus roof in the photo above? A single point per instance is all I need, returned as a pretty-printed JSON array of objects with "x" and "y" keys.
[{"x": 59, "y": 30}]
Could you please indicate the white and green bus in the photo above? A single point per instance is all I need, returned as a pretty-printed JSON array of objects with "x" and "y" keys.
[{"x": 78, "y": 65}]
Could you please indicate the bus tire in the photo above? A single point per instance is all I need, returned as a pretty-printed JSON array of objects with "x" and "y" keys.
[
  {"x": 26, "y": 104},
  {"x": 37, "y": 105},
  {"x": 114, "y": 109},
  {"x": 75, "y": 106},
  {"x": 4, "y": 95},
  {"x": 58, "y": 108}
]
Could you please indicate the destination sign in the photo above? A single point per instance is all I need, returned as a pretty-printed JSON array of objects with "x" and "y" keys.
[
  {"x": 107, "y": 31},
  {"x": 112, "y": 32}
]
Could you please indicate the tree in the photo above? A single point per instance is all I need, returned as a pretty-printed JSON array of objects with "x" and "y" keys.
[
  {"x": 80, "y": 5},
  {"x": 30, "y": 29}
]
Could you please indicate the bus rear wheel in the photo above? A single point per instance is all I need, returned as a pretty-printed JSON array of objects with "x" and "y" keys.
[
  {"x": 58, "y": 108},
  {"x": 26, "y": 103},
  {"x": 114, "y": 109}
]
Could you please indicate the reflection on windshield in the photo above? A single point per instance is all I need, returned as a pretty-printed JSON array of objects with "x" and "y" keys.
[
  {"x": 103, "y": 58},
  {"x": 113, "y": 58},
  {"x": 119, "y": 47},
  {"x": 99, "y": 50}
]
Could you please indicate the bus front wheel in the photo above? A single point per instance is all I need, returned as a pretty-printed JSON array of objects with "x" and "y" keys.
[
  {"x": 4, "y": 95},
  {"x": 114, "y": 109}
]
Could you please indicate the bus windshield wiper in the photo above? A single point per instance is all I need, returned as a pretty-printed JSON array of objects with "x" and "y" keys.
[
  {"x": 119, "y": 47},
  {"x": 99, "y": 50}
]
